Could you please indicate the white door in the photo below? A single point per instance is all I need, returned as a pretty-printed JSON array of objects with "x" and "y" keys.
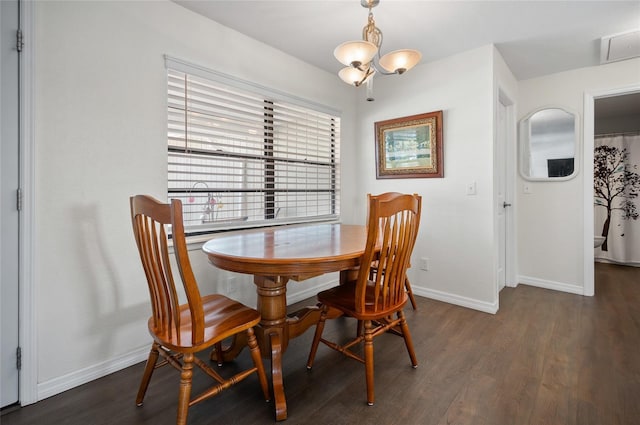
[
  {"x": 9, "y": 216},
  {"x": 501, "y": 187}
]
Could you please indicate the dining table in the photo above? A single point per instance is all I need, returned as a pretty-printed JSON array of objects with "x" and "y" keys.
[{"x": 276, "y": 256}]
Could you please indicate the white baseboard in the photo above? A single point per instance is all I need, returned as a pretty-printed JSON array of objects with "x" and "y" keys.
[
  {"x": 549, "y": 284},
  {"x": 423, "y": 292},
  {"x": 71, "y": 380},
  {"x": 311, "y": 291},
  {"x": 456, "y": 299},
  {"x": 620, "y": 263},
  {"x": 66, "y": 382}
]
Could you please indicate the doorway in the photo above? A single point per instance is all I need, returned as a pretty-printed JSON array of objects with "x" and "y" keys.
[
  {"x": 504, "y": 184},
  {"x": 617, "y": 140},
  {"x": 588, "y": 160}
]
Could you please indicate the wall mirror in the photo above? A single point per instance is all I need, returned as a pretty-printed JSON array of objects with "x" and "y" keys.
[{"x": 548, "y": 144}]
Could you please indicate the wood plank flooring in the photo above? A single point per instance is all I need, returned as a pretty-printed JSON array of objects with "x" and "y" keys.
[{"x": 545, "y": 358}]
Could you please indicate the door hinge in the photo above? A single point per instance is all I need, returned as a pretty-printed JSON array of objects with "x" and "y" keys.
[
  {"x": 19, "y": 41},
  {"x": 19, "y": 199},
  {"x": 19, "y": 358}
]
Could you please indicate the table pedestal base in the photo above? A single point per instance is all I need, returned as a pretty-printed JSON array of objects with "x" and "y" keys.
[{"x": 274, "y": 331}]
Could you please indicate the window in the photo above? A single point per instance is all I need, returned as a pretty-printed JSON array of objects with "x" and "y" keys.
[{"x": 240, "y": 155}]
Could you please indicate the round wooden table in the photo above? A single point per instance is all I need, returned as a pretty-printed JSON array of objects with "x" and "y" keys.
[{"x": 274, "y": 256}]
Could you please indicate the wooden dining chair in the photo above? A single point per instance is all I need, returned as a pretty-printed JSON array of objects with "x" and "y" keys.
[
  {"x": 180, "y": 331},
  {"x": 378, "y": 293},
  {"x": 407, "y": 284}
]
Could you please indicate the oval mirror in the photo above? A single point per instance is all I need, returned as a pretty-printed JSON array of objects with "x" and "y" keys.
[{"x": 548, "y": 144}]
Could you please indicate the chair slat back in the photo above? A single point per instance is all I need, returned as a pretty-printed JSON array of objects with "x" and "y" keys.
[
  {"x": 150, "y": 219},
  {"x": 392, "y": 228}
]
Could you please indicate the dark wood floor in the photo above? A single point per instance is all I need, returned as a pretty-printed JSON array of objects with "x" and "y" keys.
[{"x": 545, "y": 358}]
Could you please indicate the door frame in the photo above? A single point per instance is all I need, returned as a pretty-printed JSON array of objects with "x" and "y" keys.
[
  {"x": 510, "y": 140},
  {"x": 10, "y": 215},
  {"x": 587, "y": 160},
  {"x": 27, "y": 320}
]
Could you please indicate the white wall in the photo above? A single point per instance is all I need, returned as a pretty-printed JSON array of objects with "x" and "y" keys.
[
  {"x": 550, "y": 222},
  {"x": 100, "y": 131},
  {"x": 100, "y": 137},
  {"x": 456, "y": 232}
]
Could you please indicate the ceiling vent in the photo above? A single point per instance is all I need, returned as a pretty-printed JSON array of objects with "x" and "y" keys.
[{"x": 619, "y": 47}]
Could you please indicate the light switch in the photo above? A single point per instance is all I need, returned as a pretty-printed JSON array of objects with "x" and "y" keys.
[{"x": 471, "y": 188}]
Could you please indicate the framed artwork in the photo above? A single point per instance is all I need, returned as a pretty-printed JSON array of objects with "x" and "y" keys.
[{"x": 409, "y": 147}]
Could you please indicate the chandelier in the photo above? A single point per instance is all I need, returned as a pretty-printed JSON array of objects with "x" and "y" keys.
[{"x": 362, "y": 57}]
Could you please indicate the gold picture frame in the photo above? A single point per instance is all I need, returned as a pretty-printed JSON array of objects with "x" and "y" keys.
[{"x": 410, "y": 147}]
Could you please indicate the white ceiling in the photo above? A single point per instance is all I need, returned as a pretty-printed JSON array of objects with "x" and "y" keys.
[{"x": 534, "y": 37}]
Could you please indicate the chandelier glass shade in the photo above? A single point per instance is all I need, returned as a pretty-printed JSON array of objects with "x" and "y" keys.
[
  {"x": 362, "y": 57},
  {"x": 353, "y": 76},
  {"x": 355, "y": 53},
  {"x": 400, "y": 61}
]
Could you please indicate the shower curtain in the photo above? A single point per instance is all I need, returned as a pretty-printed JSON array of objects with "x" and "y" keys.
[{"x": 617, "y": 197}]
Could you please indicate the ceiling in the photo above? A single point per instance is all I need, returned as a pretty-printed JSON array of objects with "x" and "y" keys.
[{"x": 534, "y": 37}]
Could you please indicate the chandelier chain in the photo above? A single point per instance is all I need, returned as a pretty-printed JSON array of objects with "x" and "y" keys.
[{"x": 371, "y": 33}]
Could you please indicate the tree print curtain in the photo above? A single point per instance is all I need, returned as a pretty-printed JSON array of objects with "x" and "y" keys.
[{"x": 617, "y": 205}]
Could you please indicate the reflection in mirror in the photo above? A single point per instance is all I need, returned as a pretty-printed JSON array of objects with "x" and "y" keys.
[{"x": 548, "y": 145}]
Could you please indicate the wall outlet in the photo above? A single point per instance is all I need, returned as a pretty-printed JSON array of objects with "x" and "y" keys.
[
  {"x": 424, "y": 263},
  {"x": 232, "y": 285}
]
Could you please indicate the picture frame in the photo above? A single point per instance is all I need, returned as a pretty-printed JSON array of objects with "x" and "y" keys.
[{"x": 410, "y": 147}]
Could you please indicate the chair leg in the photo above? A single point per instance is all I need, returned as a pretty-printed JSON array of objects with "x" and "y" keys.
[
  {"x": 407, "y": 286},
  {"x": 219, "y": 358},
  {"x": 408, "y": 341},
  {"x": 257, "y": 361},
  {"x": 185, "y": 389},
  {"x": 148, "y": 371},
  {"x": 368, "y": 360},
  {"x": 317, "y": 336}
]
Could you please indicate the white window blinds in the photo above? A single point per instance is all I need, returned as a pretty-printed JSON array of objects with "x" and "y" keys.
[{"x": 239, "y": 158}]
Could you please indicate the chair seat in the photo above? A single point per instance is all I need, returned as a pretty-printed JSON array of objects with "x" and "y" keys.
[
  {"x": 342, "y": 298},
  {"x": 223, "y": 317}
]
